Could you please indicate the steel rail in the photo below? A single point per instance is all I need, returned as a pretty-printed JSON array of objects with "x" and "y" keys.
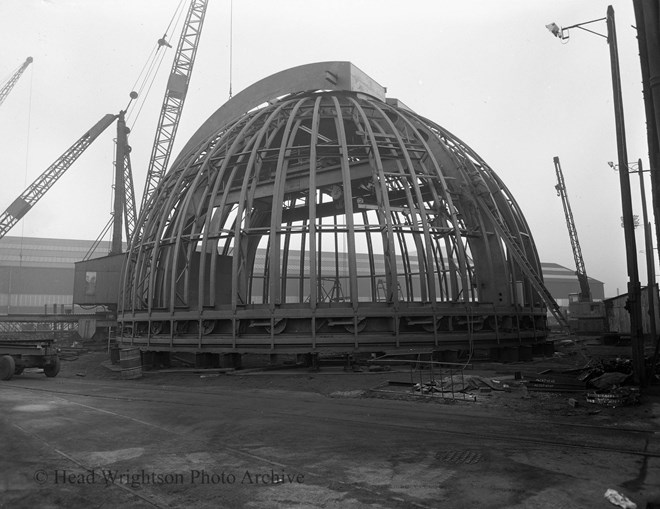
[{"x": 390, "y": 425}]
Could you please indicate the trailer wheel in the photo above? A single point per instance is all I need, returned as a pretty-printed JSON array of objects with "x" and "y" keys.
[
  {"x": 53, "y": 369},
  {"x": 7, "y": 367}
]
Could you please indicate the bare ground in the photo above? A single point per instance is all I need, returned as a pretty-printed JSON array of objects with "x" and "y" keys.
[{"x": 91, "y": 361}]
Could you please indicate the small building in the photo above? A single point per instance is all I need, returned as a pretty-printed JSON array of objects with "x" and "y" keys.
[{"x": 618, "y": 318}]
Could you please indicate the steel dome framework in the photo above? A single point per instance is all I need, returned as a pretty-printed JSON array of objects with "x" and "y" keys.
[{"x": 328, "y": 217}]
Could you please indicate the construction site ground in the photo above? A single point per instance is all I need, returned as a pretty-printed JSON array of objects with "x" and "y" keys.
[{"x": 330, "y": 438}]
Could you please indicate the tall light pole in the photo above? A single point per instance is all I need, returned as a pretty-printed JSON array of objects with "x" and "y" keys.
[
  {"x": 648, "y": 245},
  {"x": 650, "y": 259},
  {"x": 634, "y": 303}
]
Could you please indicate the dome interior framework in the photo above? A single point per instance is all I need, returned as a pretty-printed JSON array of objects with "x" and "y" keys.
[{"x": 331, "y": 218}]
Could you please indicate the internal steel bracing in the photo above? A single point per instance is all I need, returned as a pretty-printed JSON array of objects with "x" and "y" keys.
[{"x": 330, "y": 218}]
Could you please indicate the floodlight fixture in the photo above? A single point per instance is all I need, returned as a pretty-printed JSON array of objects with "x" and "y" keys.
[
  {"x": 556, "y": 30},
  {"x": 563, "y": 33}
]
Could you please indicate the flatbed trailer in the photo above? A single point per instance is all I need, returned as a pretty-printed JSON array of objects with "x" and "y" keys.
[{"x": 16, "y": 355}]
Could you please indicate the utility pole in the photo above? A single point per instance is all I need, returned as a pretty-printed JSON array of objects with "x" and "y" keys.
[
  {"x": 650, "y": 259},
  {"x": 634, "y": 303}
]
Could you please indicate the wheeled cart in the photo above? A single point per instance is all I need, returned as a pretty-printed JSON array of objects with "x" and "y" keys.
[{"x": 16, "y": 355}]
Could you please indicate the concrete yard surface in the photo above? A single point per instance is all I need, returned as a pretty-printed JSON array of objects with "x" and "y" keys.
[{"x": 310, "y": 441}]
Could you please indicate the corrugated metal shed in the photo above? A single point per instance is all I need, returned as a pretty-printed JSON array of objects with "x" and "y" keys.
[{"x": 618, "y": 318}]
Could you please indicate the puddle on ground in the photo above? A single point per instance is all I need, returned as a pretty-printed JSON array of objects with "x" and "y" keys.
[
  {"x": 96, "y": 459},
  {"x": 35, "y": 407}
]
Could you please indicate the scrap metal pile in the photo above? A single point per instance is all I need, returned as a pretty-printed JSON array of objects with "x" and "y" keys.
[{"x": 606, "y": 382}]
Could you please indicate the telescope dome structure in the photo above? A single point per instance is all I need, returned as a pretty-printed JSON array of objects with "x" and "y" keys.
[{"x": 312, "y": 212}]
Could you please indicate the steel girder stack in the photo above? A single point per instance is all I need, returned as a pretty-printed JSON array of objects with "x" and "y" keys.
[{"x": 329, "y": 217}]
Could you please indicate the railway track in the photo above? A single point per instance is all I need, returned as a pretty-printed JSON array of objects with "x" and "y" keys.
[{"x": 585, "y": 431}]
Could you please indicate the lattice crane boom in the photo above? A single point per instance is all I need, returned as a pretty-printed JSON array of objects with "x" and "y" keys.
[
  {"x": 175, "y": 95},
  {"x": 581, "y": 272},
  {"x": 6, "y": 87},
  {"x": 28, "y": 198}
]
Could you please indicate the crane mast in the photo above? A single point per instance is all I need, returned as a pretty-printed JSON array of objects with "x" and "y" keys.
[
  {"x": 6, "y": 88},
  {"x": 124, "y": 199},
  {"x": 175, "y": 95},
  {"x": 22, "y": 205},
  {"x": 581, "y": 273}
]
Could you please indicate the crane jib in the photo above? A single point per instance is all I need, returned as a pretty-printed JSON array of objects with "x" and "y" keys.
[
  {"x": 5, "y": 88},
  {"x": 28, "y": 198}
]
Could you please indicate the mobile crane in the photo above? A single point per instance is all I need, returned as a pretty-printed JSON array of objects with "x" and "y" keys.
[
  {"x": 6, "y": 87},
  {"x": 124, "y": 195},
  {"x": 581, "y": 272},
  {"x": 585, "y": 315},
  {"x": 124, "y": 203},
  {"x": 16, "y": 355}
]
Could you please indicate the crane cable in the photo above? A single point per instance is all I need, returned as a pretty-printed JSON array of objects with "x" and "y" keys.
[
  {"x": 148, "y": 82},
  {"x": 25, "y": 180},
  {"x": 177, "y": 14},
  {"x": 147, "y": 76},
  {"x": 145, "y": 79},
  {"x": 27, "y": 142},
  {"x": 231, "y": 44}
]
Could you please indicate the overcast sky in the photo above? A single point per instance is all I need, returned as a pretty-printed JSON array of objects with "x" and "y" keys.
[{"x": 488, "y": 71}]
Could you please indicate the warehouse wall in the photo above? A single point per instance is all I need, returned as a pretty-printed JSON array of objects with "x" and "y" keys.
[{"x": 38, "y": 273}]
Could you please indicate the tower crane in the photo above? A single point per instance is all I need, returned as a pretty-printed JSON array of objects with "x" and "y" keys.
[
  {"x": 28, "y": 198},
  {"x": 581, "y": 273},
  {"x": 175, "y": 95},
  {"x": 6, "y": 88}
]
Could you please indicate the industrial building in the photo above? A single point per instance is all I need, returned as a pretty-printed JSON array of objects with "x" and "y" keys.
[
  {"x": 37, "y": 275},
  {"x": 562, "y": 282}
]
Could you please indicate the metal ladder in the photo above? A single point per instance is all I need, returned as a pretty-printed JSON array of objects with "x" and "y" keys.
[{"x": 520, "y": 257}]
